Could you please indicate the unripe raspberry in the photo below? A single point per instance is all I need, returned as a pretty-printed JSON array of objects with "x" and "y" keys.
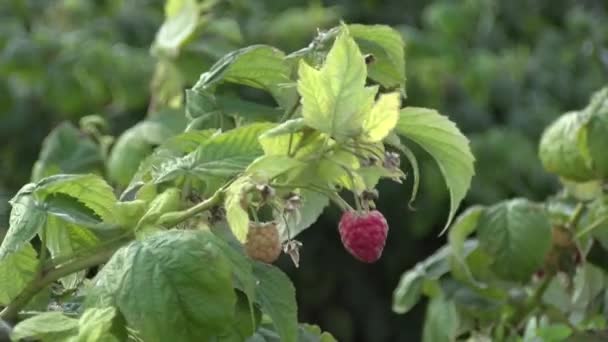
[
  {"x": 263, "y": 243},
  {"x": 363, "y": 234}
]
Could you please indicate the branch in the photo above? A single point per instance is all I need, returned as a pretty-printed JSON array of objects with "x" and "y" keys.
[
  {"x": 597, "y": 223},
  {"x": 534, "y": 301},
  {"x": 44, "y": 279},
  {"x": 576, "y": 215}
]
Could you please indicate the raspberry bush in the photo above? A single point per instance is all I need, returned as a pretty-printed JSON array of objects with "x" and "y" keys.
[
  {"x": 171, "y": 232},
  {"x": 527, "y": 271}
]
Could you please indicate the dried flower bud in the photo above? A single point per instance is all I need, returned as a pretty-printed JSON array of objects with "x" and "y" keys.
[
  {"x": 392, "y": 160},
  {"x": 292, "y": 248},
  {"x": 370, "y": 195},
  {"x": 369, "y": 59},
  {"x": 293, "y": 203},
  {"x": 266, "y": 191}
]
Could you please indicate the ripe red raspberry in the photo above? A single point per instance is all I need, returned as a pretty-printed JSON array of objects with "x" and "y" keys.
[
  {"x": 263, "y": 243},
  {"x": 364, "y": 234}
]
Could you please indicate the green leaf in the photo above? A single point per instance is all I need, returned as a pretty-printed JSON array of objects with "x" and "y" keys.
[
  {"x": 413, "y": 282},
  {"x": 244, "y": 324},
  {"x": 129, "y": 213},
  {"x": 128, "y": 151},
  {"x": 69, "y": 209},
  {"x": 258, "y": 66},
  {"x": 16, "y": 270},
  {"x": 208, "y": 110},
  {"x": 236, "y": 215},
  {"x": 188, "y": 141},
  {"x": 293, "y": 138},
  {"x": 276, "y": 296},
  {"x": 382, "y": 118},
  {"x": 441, "y": 321},
  {"x": 66, "y": 150},
  {"x": 191, "y": 297},
  {"x": 63, "y": 239},
  {"x": 223, "y": 155},
  {"x": 266, "y": 168},
  {"x": 589, "y": 283},
  {"x": 334, "y": 99},
  {"x": 445, "y": 143},
  {"x": 91, "y": 190},
  {"x": 201, "y": 104},
  {"x": 463, "y": 226},
  {"x": 241, "y": 266},
  {"x": 338, "y": 168},
  {"x": 136, "y": 143},
  {"x": 96, "y": 324},
  {"x": 388, "y": 49},
  {"x": 179, "y": 25},
  {"x": 172, "y": 149},
  {"x": 25, "y": 221},
  {"x": 596, "y": 131},
  {"x": 408, "y": 291},
  {"x": 554, "y": 332},
  {"x": 313, "y": 204},
  {"x": 372, "y": 175},
  {"x": 287, "y": 127},
  {"x": 393, "y": 140},
  {"x": 484, "y": 305},
  {"x": 247, "y": 111},
  {"x": 312, "y": 333},
  {"x": 596, "y": 219},
  {"x": 48, "y": 326},
  {"x": 563, "y": 148},
  {"x": 168, "y": 201},
  {"x": 517, "y": 234}
]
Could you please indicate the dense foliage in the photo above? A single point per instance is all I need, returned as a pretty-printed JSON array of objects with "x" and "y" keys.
[
  {"x": 500, "y": 72},
  {"x": 183, "y": 213},
  {"x": 533, "y": 270}
]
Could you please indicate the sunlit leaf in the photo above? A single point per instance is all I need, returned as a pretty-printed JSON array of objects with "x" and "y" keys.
[
  {"x": 51, "y": 326},
  {"x": 382, "y": 118},
  {"x": 388, "y": 49},
  {"x": 446, "y": 144},
  {"x": 334, "y": 98}
]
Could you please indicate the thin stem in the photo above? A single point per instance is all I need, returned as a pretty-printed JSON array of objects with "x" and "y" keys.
[
  {"x": 356, "y": 154},
  {"x": 60, "y": 260},
  {"x": 176, "y": 217},
  {"x": 254, "y": 214},
  {"x": 340, "y": 202},
  {"x": 369, "y": 148},
  {"x": 556, "y": 314},
  {"x": 576, "y": 215},
  {"x": 43, "y": 280},
  {"x": 591, "y": 227},
  {"x": 291, "y": 111},
  {"x": 534, "y": 301},
  {"x": 43, "y": 250},
  {"x": 290, "y": 143}
]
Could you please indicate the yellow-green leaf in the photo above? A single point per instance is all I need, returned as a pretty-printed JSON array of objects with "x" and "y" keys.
[
  {"x": 441, "y": 138},
  {"x": 382, "y": 118},
  {"x": 334, "y": 99},
  {"x": 236, "y": 215}
]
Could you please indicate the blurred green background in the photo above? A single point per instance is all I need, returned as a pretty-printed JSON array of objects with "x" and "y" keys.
[{"x": 501, "y": 69}]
